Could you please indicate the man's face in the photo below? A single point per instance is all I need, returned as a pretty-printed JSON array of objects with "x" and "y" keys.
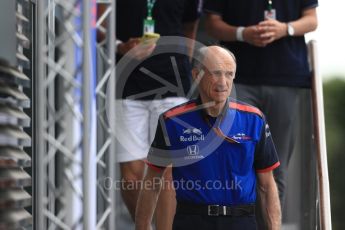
[{"x": 219, "y": 72}]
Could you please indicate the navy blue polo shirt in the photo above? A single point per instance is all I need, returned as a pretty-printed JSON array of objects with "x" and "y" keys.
[
  {"x": 169, "y": 17},
  {"x": 215, "y": 160},
  {"x": 283, "y": 62}
]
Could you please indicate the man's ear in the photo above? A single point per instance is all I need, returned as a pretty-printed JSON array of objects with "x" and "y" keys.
[{"x": 195, "y": 73}]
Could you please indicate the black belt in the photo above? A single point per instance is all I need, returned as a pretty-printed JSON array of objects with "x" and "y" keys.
[{"x": 215, "y": 210}]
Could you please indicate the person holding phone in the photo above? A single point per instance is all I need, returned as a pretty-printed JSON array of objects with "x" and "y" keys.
[{"x": 141, "y": 99}]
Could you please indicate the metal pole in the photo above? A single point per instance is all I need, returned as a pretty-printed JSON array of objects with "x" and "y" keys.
[
  {"x": 112, "y": 93},
  {"x": 40, "y": 191},
  {"x": 89, "y": 216},
  {"x": 51, "y": 96},
  {"x": 320, "y": 139}
]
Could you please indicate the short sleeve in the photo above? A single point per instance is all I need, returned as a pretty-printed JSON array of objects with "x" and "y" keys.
[
  {"x": 214, "y": 6},
  {"x": 158, "y": 156},
  {"x": 192, "y": 10},
  {"x": 307, "y": 4},
  {"x": 266, "y": 158}
]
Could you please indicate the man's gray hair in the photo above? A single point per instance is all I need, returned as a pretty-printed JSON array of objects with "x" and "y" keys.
[{"x": 200, "y": 54}]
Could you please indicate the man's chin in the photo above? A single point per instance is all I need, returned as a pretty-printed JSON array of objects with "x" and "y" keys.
[{"x": 219, "y": 99}]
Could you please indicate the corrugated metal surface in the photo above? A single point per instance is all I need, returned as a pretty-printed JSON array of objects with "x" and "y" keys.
[{"x": 14, "y": 179}]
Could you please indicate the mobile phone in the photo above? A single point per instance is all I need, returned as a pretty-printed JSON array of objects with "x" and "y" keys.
[{"x": 150, "y": 38}]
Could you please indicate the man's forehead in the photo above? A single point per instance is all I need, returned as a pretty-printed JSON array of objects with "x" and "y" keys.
[
  {"x": 219, "y": 59},
  {"x": 215, "y": 53},
  {"x": 219, "y": 64}
]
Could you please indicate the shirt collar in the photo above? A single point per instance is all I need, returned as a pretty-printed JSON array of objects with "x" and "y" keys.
[{"x": 207, "y": 116}]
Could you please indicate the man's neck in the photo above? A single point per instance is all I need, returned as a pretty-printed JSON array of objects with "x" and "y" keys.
[{"x": 216, "y": 109}]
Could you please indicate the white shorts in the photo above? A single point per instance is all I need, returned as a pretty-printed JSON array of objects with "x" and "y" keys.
[{"x": 136, "y": 123}]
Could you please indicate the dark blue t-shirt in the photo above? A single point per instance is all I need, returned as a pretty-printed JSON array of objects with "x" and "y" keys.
[
  {"x": 281, "y": 63},
  {"x": 215, "y": 160},
  {"x": 169, "y": 16}
]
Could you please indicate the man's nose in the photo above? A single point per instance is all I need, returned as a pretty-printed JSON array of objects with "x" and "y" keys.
[{"x": 222, "y": 80}]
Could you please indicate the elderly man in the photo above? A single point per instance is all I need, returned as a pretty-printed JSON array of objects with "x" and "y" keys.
[{"x": 218, "y": 148}]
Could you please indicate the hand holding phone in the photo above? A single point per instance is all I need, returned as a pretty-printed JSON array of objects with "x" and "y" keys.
[{"x": 150, "y": 38}]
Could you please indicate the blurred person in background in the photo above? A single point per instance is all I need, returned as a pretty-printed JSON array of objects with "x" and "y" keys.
[
  {"x": 267, "y": 37},
  {"x": 141, "y": 98}
]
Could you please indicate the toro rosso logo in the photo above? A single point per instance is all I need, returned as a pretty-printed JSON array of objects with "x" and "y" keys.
[{"x": 241, "y": 136}]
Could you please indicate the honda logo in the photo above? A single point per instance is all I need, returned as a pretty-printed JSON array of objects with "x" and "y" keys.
[{"x": 193, "y": 150}]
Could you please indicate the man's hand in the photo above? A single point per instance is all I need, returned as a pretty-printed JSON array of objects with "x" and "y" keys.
[
  {"x": 124, "y": 47},
  {"x": 271, "y": 30},
  {"x": 136, "y": 49},
  {"x": 252, "y": 35},
  {"x": 265, "y": 32}
]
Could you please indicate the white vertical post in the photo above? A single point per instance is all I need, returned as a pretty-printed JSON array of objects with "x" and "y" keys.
[
  {"x": 112, "y": 93},
  {"x": 89, "y": 129},
  {"x": 40, "y": 185},
  {"x": 320, "y": 139}
]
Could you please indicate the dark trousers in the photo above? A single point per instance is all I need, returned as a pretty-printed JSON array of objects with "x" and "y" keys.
[
  {"x": 203, "y": 222},
  {"x": 281, "y": 107}
]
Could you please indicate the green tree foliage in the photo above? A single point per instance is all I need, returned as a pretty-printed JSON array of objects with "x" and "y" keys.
[{"x": 334, "y": 99}]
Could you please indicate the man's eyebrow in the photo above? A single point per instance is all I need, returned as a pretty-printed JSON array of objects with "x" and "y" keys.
[
  {"x": 215, "y": 69},
  {"x": 219, "y": 70}
]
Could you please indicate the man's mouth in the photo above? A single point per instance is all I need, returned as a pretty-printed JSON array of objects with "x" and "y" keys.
[{"x": 220, "y": 90}]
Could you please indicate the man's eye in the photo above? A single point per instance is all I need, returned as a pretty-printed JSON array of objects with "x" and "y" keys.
[
  {"x": 229, "y": 74},
  {"x": 217, "y": 73}
]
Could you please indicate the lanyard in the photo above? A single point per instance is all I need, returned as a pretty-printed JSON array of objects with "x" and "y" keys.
[
  {"x": 219, "y": 132},
  {"x": 270, "y": 5},
  {"x": 149, "y": 23},
  {"x": 150, "y": 5},
  {"x": 216, "y": 126}
]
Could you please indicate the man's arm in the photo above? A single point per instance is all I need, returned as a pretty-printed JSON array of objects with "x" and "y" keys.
[
  {"x": 190, "y": 22},
  {"x": 147, "y": 199},
  {"x": 189, "y": 31},
  {"x": 220, "y": 30},
  {"x": 217, "y": 28},
  {"x": 139, "y": 50},
  {"x": 265, "y": 32},
  {"x": 274, "y": 30},
  {"x": 269, "y": 200},
  {"x": 101, "y": 33},
  {"x": 307, "y": 23}
]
